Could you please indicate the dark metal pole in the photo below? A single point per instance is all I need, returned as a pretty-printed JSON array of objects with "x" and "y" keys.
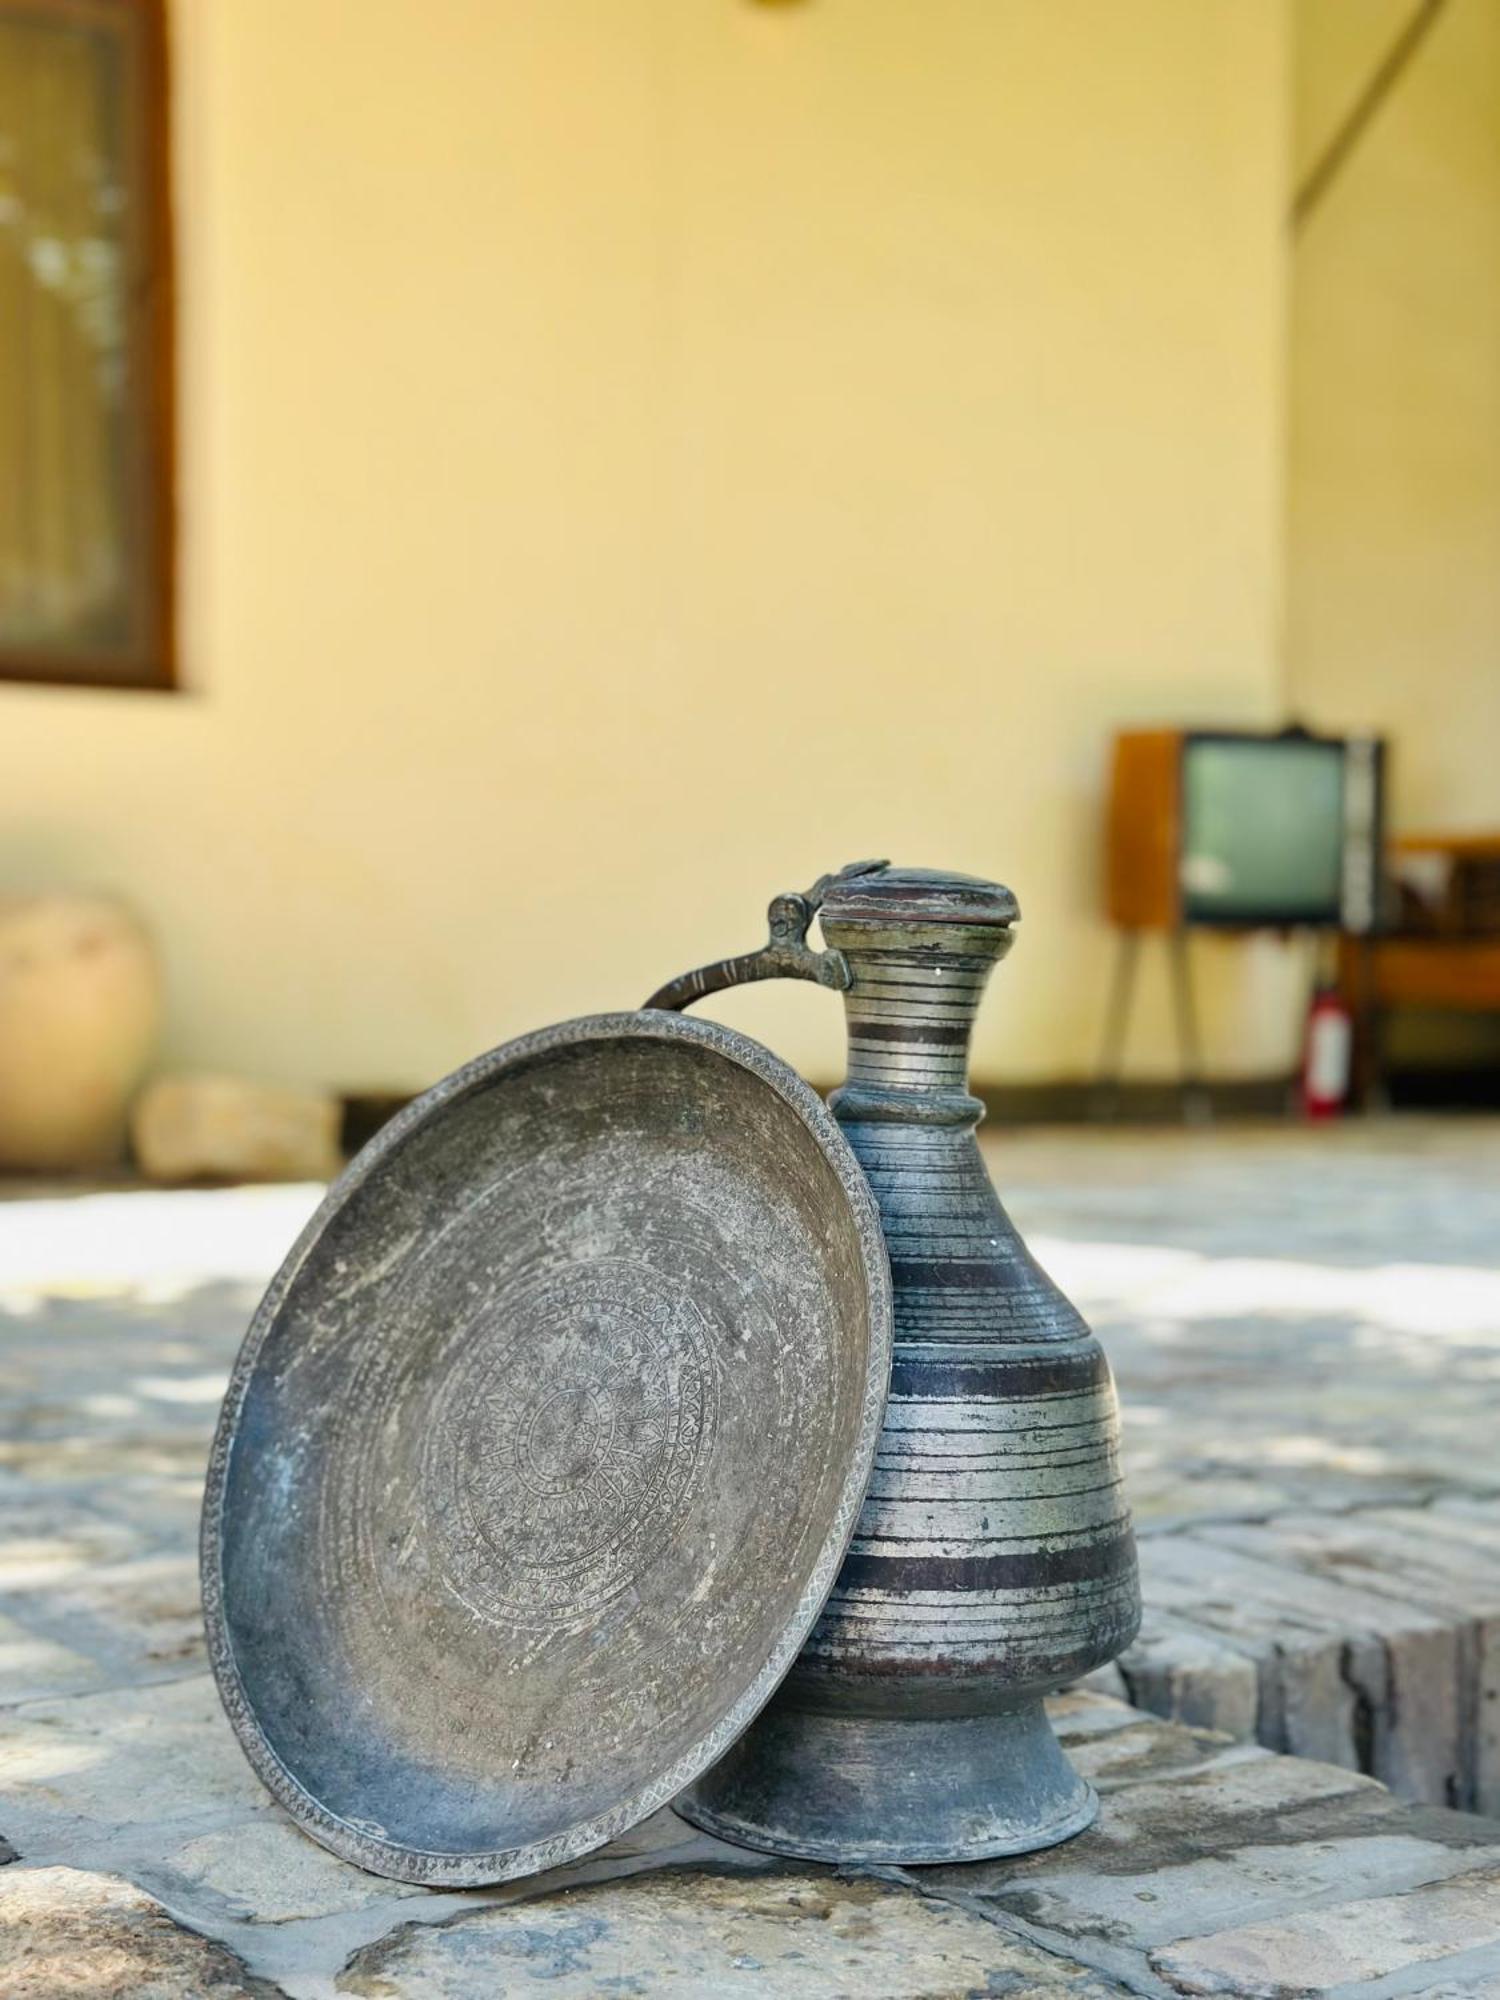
[
  {"x": 1195, "y": 1105},
  {"x": 1116, "y": 1021}
]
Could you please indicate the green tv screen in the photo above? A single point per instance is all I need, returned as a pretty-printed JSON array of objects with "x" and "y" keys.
[{"x": 1263, "y": 830}]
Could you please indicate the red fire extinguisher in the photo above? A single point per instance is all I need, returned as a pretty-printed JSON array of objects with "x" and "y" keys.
[{"x": 1327, "y": 1053}]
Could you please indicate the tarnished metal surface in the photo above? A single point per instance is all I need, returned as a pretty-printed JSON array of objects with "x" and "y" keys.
[
  {"x": 544, "y": 1448},
  {"x": 785, "y": 954},
  {"x": 993, "y": 1559}
]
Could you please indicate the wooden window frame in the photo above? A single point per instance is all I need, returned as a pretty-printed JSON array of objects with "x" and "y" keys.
[{"x": 149, "y": 659}]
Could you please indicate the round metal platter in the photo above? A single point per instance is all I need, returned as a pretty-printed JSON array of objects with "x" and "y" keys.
[{"x": 544, "y": 1448}]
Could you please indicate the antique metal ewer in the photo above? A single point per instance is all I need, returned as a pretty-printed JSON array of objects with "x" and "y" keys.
[
  {"x": 627, "y": 1429},
  {"x": 993, "y": 1560}
]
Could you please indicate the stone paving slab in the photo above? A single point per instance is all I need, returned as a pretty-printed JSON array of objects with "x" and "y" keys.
[
  {"x": 800, "y": 1937},
  {"x": 1258, "y": 1840},
  {"x": 1354, "y": 1944}
]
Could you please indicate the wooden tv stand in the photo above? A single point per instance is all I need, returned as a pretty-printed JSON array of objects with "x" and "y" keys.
[{"x": 1445, "y": 952}]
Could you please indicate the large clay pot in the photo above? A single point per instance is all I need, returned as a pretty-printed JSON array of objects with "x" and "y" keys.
[{"x": 80, "y": 1006}]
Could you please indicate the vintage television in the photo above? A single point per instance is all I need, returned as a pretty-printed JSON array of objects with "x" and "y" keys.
[{"x": 1239, "y": 830}]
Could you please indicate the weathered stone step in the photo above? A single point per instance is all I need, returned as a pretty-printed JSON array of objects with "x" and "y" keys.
[{"x": 1369, "y": 1639}]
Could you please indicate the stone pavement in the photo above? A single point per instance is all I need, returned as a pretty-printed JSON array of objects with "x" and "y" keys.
[
  {"x": 151, "y": 1864},
  {"x": 1305, "y": 1327},
  {"x": 1307, "y": 1333}
]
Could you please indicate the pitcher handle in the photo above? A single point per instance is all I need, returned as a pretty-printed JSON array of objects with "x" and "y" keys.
[{"x": 786, "y": 954}]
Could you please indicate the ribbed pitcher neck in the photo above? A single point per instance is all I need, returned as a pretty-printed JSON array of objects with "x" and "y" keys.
[{"x": 910, "y": 1010}]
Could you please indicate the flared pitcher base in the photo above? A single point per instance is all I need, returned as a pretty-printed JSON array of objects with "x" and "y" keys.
[{"x": 902, "y": 1792}]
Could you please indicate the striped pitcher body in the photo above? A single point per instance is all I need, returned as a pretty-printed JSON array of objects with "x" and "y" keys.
[
  {"x": 993, "y": 1560},
  {"x": 994, "y": 1551}
]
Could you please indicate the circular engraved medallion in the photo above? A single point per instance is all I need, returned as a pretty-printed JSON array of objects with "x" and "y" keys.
[
  {"x": 567, "y": 1442},
  {"x": 544, "y": 1447}
]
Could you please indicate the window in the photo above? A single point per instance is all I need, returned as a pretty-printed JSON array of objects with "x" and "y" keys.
[{"x": 86, "y": 440}]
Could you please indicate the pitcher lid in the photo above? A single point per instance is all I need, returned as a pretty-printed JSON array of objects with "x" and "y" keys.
[{"x": 918, "y": 895}]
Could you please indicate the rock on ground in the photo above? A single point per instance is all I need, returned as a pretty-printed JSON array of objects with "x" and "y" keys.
[
  {"x": 67, "y": 1934},
  {"x": 190, "y": 1128},
  {"x": 799, "y": 1937}
]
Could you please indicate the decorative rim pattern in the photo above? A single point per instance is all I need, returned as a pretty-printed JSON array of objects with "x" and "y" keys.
[{"x": 470, "y": 1870}]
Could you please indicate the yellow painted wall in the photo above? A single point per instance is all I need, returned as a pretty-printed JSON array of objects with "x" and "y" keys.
[
  {"x": 639, "y": 453},
  {"x": 1393, "y": 554}
]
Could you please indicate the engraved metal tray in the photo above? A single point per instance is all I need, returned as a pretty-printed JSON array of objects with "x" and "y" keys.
[{"x": 544, "y": 1448}]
